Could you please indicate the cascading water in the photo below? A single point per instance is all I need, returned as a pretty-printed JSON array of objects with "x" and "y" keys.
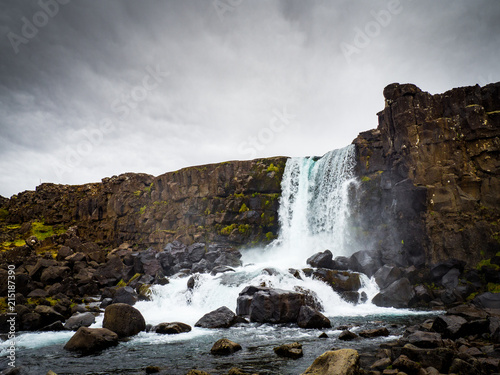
[
  {"x": 314, "y": 205},
  {"x": 313, "y": 215}
]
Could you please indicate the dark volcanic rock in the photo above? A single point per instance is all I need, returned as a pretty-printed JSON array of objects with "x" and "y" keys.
[
  {"x": 488, "y": 300},
  {"x": 220, "y": 318},
  {"x": 91, "y": 340},
  {"x": 340, "y": 281},
  {"x": 311, "y": 318},
  {"x": 322, "y": 260},
  {"x": 398, "y": 294},
  {"x": 171, "y": 328},
  {"x": 123, "y": 319},
  {"x": 367, "y": 262},
  {"x": 347, "y": 335},
  {"x": 125, "y": 295},
  {"x": 386, "y": 275},
  {"x": 376, "y": 332},
  {"x": 293, "y": 350},
  {"x": 276, "y": 306},
  {"x": 225, "y": 347}
]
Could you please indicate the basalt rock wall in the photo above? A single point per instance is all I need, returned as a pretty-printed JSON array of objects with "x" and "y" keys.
[
  {"x": 233, "y": 203},
  {"x": 430, "y": 176}
]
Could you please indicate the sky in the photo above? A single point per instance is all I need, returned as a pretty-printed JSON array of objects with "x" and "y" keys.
[{"x": 92, "y": 89}]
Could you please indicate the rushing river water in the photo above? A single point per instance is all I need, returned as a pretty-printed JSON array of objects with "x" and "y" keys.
[{"x": 313, "y": 212}]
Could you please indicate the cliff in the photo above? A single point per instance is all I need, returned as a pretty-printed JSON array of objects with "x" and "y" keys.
[
  {"x": 232, "y": 203},
  {"x": 430, "y": 176}
]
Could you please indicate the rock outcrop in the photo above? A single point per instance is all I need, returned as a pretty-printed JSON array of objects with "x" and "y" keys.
[{"x": 430, "y": 176}]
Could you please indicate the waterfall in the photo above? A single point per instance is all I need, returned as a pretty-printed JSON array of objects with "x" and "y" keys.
[{"x": 314, "y": 205}]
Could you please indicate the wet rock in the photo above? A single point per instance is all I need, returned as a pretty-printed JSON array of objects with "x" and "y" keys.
[
  {"x": 275, "y": 306},
  {"x": 221, "y": 269},
  {"x": 196, "y": 252},
  {"x": 386, "y": 275},
  {"x": 123, "y": 319},
  {"x": 376, "y": 332},
  {"x": 223, "y": 317},
  {"x": 347, "y": 335},
  {"x": 56, "y": 326},
  {"x": 173, "y": 328},
  {"x": 311, "y": 298},
  {"x": 311, "y": 318},
  {"x": 449, "y": 326},
  {"x": 398, "y": 294},
  {"x": 338, "y": 362},
  {"x": 322, "y": 260},
  {"x": 364, "y": 261},
  {"x": 91, "y": 340},
  {"x": 340, "y": 281},
  {"x": 225, "y": 347},
  {"x": 79, "y": 320},
  {"x": 293, "y": 350},
  {"x": 341, "y": 263}
]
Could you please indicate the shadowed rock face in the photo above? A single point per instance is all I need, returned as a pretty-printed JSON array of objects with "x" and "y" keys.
[
  {"x": 232, "y": 203},
  {"x": 430, "y": 176}
]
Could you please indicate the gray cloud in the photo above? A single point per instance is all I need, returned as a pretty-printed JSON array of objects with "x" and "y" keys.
[{"x": 79, "y": 101}]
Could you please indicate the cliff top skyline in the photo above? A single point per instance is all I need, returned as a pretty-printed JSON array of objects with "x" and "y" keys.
[{"x": 96, "y": 89}]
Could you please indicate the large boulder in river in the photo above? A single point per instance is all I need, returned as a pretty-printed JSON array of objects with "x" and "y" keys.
[
  {"x": 322, "y": 260},
  {"x": 340, "y": 281},
  {"x": 225, "y": 347},
  {"x": 90, "y": 340},
  {"x": 337, "y": 362},
  {"x": 398, "y": 294},
  {"x": 173, "y": 328},
  {"x": 123, "y": 319},
  {"x": 275, "y": 306},
  {"x": 311, "y": 318},
  {"x": 223, "y": 317}
]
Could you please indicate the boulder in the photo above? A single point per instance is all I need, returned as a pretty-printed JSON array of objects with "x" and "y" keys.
[
  {"x": 63, "y": 252},
  {"x": 171, "y": 328},
  {"x": 322, "y": 260},
  {"x": 196, "y": 252},
  {"x": 56, "y": 326},
  {"x": 147, "y": 263},
  {"x": 487, "y": 300},
  {"x": 293, "y": 350},
  {"x": 450, "y": 326},
  {"x": 450, "y": 279},
  {"x": 79, "y": 320},
  {"x": 340, "y": 281},
  {"x": 311, "y": 318},
  {"x": 123, "y": 319},
  {"x": 367, "y": 262},
  {"x": 221, "y": 269},
  {"x": 376, "y": 332},
  {"x": 48, "y": 315},
  {"x": 337, "y": 362},
  {"x": 347, "y": 335},
  {"x": 440, "y": 269},
  {"x": 125, "y": 295},
  {"x": 91, "y": 340},
  {"x": 386, "y": 275},
  {"x": 276, "y": 306},
  {"x": 398, "y": 294},
  {"x": 220, "y": 318},
  {"x": 225, "y": 347}
]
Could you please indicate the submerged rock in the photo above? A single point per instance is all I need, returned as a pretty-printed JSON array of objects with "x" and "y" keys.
[
  {"x": 293, "y": 350},
  {"x": 171, "y": 328},
  {"x": 311, "y": 318},
  {"x": 225, "y": 347}
]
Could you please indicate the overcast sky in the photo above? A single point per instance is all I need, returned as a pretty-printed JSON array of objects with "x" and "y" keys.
[{"x": 90, "y": 89}]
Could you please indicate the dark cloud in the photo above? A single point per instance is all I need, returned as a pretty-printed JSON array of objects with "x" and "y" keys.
[{"x": 112, "y": 86}]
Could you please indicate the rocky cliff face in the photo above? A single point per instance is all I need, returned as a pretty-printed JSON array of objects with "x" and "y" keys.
[
  {"x": 233, "y": 203},
  {"x": 430, "y": 176}
]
